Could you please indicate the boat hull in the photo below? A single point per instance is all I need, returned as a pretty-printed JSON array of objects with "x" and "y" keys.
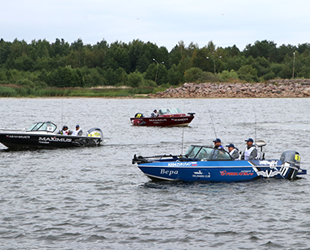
[
  {"x": 215, "y": 171},
  {"x": 29, "y": 140},
  {"x": 162, "y": 121}
]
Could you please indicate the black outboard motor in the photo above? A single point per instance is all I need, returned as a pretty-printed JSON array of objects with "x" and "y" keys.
[{"x": 293, "y": 158}]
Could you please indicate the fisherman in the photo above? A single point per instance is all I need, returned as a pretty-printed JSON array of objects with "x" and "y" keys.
[
  {"x": 218, "y": 144},
  {"x": 77, "y": 131},
  {"x": 154, "y": 114},
  {"x": 65, "y": 130},
  {"x": 234, "y": 152},
  {"x": 250, "y": 152}
]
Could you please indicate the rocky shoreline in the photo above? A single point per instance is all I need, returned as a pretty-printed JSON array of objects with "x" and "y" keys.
[{"x": 281, "y": 88}]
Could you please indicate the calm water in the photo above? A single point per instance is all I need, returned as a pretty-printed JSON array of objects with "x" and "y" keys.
[{"x": 94, "y": 198}]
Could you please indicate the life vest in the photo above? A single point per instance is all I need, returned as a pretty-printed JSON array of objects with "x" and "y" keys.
[
  {"x": 233, "y": 151},
  {"x": 65, "y": 132},
  {"x": 247, "y": 152},
  {"x": 76, "y": 132}
]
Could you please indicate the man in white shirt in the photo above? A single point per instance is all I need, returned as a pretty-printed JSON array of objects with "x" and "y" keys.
[
  {"x": 154, "y": 114},
  {"x": 77, "y": 131},
  {"x": 250, "y": 152}
]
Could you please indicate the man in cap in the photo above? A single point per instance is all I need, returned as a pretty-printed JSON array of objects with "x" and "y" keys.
[
  {"x": 154, "y": 114},
  {"x": 218, "y": 144},
  {"x": 234, "y": 152},
  {"x": 77, "y": 131},
  {"x": 65, "y": 130},
  {"x": 250, "y": 152}
]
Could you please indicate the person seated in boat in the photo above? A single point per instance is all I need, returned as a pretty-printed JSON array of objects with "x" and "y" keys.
[
  {"x": 250, "y": 152},
  {"x": 77, "y": 131},
  {"x": 65, "y": 130},
  {"x": 233, "y": 152},
  {"x": 218, "y": 144},
  {"x": 154, "y": 114}
]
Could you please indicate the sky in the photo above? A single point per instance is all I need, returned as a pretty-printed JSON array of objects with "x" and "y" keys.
[{"x": 165, "y": 23}]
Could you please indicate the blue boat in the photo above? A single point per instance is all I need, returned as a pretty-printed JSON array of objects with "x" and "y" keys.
[{"x": 203, "y": 163}]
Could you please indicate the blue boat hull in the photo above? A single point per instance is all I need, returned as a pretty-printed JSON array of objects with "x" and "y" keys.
[{"x": 219, "y": 171}]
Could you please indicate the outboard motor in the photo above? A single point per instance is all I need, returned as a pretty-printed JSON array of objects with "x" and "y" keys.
[
  {"x": 95, "y": 132},
  {"x": 293, "y": 158},
  {"x": 139, "y": 115}
]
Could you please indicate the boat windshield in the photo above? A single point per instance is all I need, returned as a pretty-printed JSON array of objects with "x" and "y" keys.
[
  {"x": 206, "y": 153},
  {"x": 43, "y": 126},
  {"x": 170, "y": 111}
]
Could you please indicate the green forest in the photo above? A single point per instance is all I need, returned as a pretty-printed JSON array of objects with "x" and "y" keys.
[{"x": 41, "y": 68}]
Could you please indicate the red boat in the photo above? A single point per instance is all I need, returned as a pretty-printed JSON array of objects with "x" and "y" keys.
[{"x": 166, "y": 117}]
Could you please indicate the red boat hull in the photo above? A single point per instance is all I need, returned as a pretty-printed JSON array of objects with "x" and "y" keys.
[{"x": 163, "y": 121}]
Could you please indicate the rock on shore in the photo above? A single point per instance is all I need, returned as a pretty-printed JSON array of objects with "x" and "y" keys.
[{"x": 271, "y": 89}]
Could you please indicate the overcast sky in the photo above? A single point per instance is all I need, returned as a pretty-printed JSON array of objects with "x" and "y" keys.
[{"x": 225, "y": 22}]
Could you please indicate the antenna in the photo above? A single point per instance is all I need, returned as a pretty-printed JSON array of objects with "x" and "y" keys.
[
  {"x": 212, "y": 124},
  {"x": 62, "y": 111},
  {"x": 182, "y": 141},
  {"x": 255, "y": 123}
]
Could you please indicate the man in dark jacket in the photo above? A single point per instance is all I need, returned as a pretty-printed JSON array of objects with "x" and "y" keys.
[{"x": 218, "y": 144}]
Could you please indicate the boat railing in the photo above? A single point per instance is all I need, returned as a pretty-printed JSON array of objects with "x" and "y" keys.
[{"x": 13, "y": 129}]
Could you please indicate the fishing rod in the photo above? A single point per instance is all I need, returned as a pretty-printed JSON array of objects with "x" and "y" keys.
[
  {"x": 62, "y": 111},
  {"x": 212, "y": 124},
  {"x": 182, "y": 141},
  {"x": 255, "y": 127}
]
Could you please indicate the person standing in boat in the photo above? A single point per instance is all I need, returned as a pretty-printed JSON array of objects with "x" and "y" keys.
[
  {"x": 154, "y": 114},
  {"x": 77, "y": 131},
  {"x": 250, "y": 152},
  {"x": 218, "y": 144},
  {"x": 234, "y": 152}
]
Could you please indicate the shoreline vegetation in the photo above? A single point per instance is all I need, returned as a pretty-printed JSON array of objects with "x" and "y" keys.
[
  {"x": 143, "y": 70},
  {"x": 281, "y": 88}
]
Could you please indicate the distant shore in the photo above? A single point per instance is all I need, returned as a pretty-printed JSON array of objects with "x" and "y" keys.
[
  {"x": 280, "y": 88},
  {"x": 297, "y": 88}
]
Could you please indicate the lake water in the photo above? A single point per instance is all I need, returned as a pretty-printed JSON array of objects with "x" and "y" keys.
[{"x": 94, "y": 198}]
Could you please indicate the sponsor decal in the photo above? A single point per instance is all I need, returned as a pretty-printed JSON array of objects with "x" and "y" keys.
[
  {"x": 242, "y": 173},
  {"x": 180, "y": 164},
  {"x": 18, "y": 136},
  {"x": 180, "y": 120},
  {"x": 200, "y": 174},
  {"x": 273, "y": 172},
  {"x": 169, "y": 172},
  {"x": 271, "y": 163},
  {"x": 157, "y": 120},
  {"x": 54, "y": 139}
]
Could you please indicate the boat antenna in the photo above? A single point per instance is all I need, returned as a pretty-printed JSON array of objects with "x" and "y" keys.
[
  {"x": 255, "y": 124},
  {"x": 62, "y": 111},
  {"x": 212, "y": 124},
  {"x": 182, "y": 141}
]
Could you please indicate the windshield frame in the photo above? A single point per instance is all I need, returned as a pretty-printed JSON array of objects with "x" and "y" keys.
[
  {"x": 43, "y": 126},
  {"x": 170, "y": 111},
  {"x": 205, "y": 153}
]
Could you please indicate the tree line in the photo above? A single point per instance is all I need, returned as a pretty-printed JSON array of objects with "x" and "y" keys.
[{"x": 41, "y": 64}]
